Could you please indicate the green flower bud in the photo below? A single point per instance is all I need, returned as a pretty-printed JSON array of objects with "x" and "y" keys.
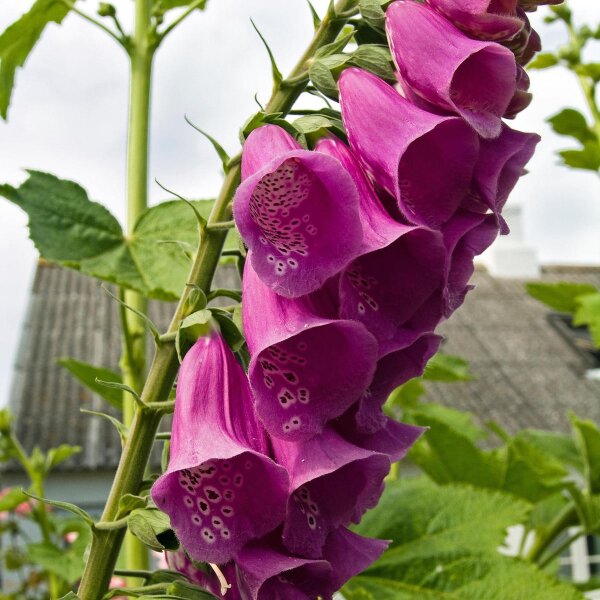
[{"x": 106, "y": 10}]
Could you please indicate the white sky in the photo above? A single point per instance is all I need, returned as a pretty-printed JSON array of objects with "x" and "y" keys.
[{"x": 69, "y": 111}]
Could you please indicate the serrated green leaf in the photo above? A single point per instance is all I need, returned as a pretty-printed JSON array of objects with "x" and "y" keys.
[
  {"x": 18, "y": 40},
  {"x": 444, "y": 547},
  {"x": 588, "y": 314},
  {"x": 561, "y": 296},
  {"x": 87, "y": 374},
  {"x": 554, "y": 444},
  {"x": 11, "y": 499},
  {"x": 588, "y": 158},
  {"x": 372, "y": 12},
  {"x": 69, "y": 229},
  {"x": 571, "y": 122},
  {"x": 153, "y": 529},
  {"x": 543, "y": 61},
  {"x": 587, "y": 439},
  {"x": 66, "y": 565}
]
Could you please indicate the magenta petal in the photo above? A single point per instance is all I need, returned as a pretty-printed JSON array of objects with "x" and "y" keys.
[
  {"x": 267, "y": 572},
  {"x": 394, "y": 439},
  {"x": 305, "y": 369},
  {"x": 473, "y": 78},
  {"x": 332, "y": 482},
  {"x": 467, "y": 236},
  {"x": 482, "y": 19},
  {"x": 522, "y": 98},
  {"x": 349, "y": 554},
  {"x": 394, "y": 368},
  {"x": 501, "y": 163},
  {"x": 290, "y": 213},
  {"x": 219, "y": 490},
  {"x": 262, "y": 145},
  {"x": 424, "y": 160}
]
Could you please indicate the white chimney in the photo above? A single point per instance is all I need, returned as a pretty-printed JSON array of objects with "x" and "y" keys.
[{"x": 510, "y": 256}]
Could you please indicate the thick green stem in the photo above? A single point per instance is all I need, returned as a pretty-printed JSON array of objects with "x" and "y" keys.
[
  {"x": 161, "y": 376},
  {"x": 133, "y": 360}
]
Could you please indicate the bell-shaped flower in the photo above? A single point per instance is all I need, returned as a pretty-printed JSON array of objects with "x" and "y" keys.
[
  {"x": 290, "y": 208},
  {"x": 398, "y": 364},
  {"x": 401, "y": 266},
  {"x": 482, "y": 19},
  {"x": 266, "y": 571},
  {"x": 332, "y": 483},
  {"x": 307, "y": 366},
  {"x": 466, "y": 236},
  {"x": 220, "y": 489},
  {"x": 424, "y": 160},
  {"x": 501, "y": 163},
  {"x": 473, "y": 78}
]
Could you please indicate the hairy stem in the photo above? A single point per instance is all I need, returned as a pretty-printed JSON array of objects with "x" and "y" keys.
[{"x": 106, "y": 543}]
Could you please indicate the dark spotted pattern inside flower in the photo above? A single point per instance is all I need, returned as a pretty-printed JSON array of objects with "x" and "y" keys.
[
  {"x": 363, "y": 284},
  {"x": 214, "y": 492},
  {"x": 276, "y": 206}
]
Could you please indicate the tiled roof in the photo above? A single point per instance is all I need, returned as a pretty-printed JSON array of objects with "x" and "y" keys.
[{"x": 527, "y": 375}]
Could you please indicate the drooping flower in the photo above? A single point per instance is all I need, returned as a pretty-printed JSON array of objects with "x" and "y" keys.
[
  {"x": 501, "y": 163},
  {"x": 332, "y": 483},
  {"x": 482, "y": 19},
  {"x": 424, "y": 160},
  {"x": 466, "y": 236},
  {"x": 400, "y": 269},
  {"x": 522, "y": 98},
  {"x": 220, "y": 489},
  {"x": 307, "y": 367},
  {"x": 290, "y": 208},
  {"x": 398, "y": 364},
  {"x": 439, "y": 62},
  {"x": 268, "y": 572}
]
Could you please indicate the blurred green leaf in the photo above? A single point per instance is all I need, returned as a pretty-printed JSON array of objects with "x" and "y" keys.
[
  {"x": 588, "y": 314},
  {"x": 543, "y": 61},
  {"x": 557, "y": 445},
  {"x": 12, "y": 498},
  {"x": 87, "y": 374},
  {"x": 18, "y": 40},
  {"x": 445, "y": 367},
  {"x": 587, "y": 439},
  {"x": 57, "y": 455},
  {"x": 66, "y": 565},
  {"x": 560, "y": 296},
  {"x": 571, "y": 122},
  {"x": 588, "y": 158}
]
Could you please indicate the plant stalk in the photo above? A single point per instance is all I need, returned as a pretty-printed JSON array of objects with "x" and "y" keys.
[
  {"x": 563, "y": 519},
  {"x": 161, "y": 376},
  {"x": 133, "y": 358}
]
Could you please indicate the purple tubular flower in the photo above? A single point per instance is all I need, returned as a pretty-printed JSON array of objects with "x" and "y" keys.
[
  {"x": 501, "y": 163},
  {"x": 395, "y": 367},
  {"x": 467, "y": 236},
  {"x": 268, "y": 572},
  {"x": 336, "y": 486},
  {"x": 400, "y": 268},
  {"x": 307, "y": 367},
  {"x": 290, "y": 208},
  {"x": 472, "y": 78},
  {"x": 219, "y": 490},
  {"x": 424, "y": 160},
  {"x": 482, "y": 19}
]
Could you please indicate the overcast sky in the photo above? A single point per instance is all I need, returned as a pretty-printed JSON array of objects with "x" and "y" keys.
[{"x": 69, "y": 113}]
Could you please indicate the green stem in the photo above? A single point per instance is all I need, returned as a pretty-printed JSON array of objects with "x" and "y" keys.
[
  {"x": 161, "y": 376},
  {"x": 90, "y": 19},
  {"x": 190, "y": 9},
  {"x": 563, "y": 519},
  {"x": 133, "y": 359},
  {"x": 564, "y": 546}
]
